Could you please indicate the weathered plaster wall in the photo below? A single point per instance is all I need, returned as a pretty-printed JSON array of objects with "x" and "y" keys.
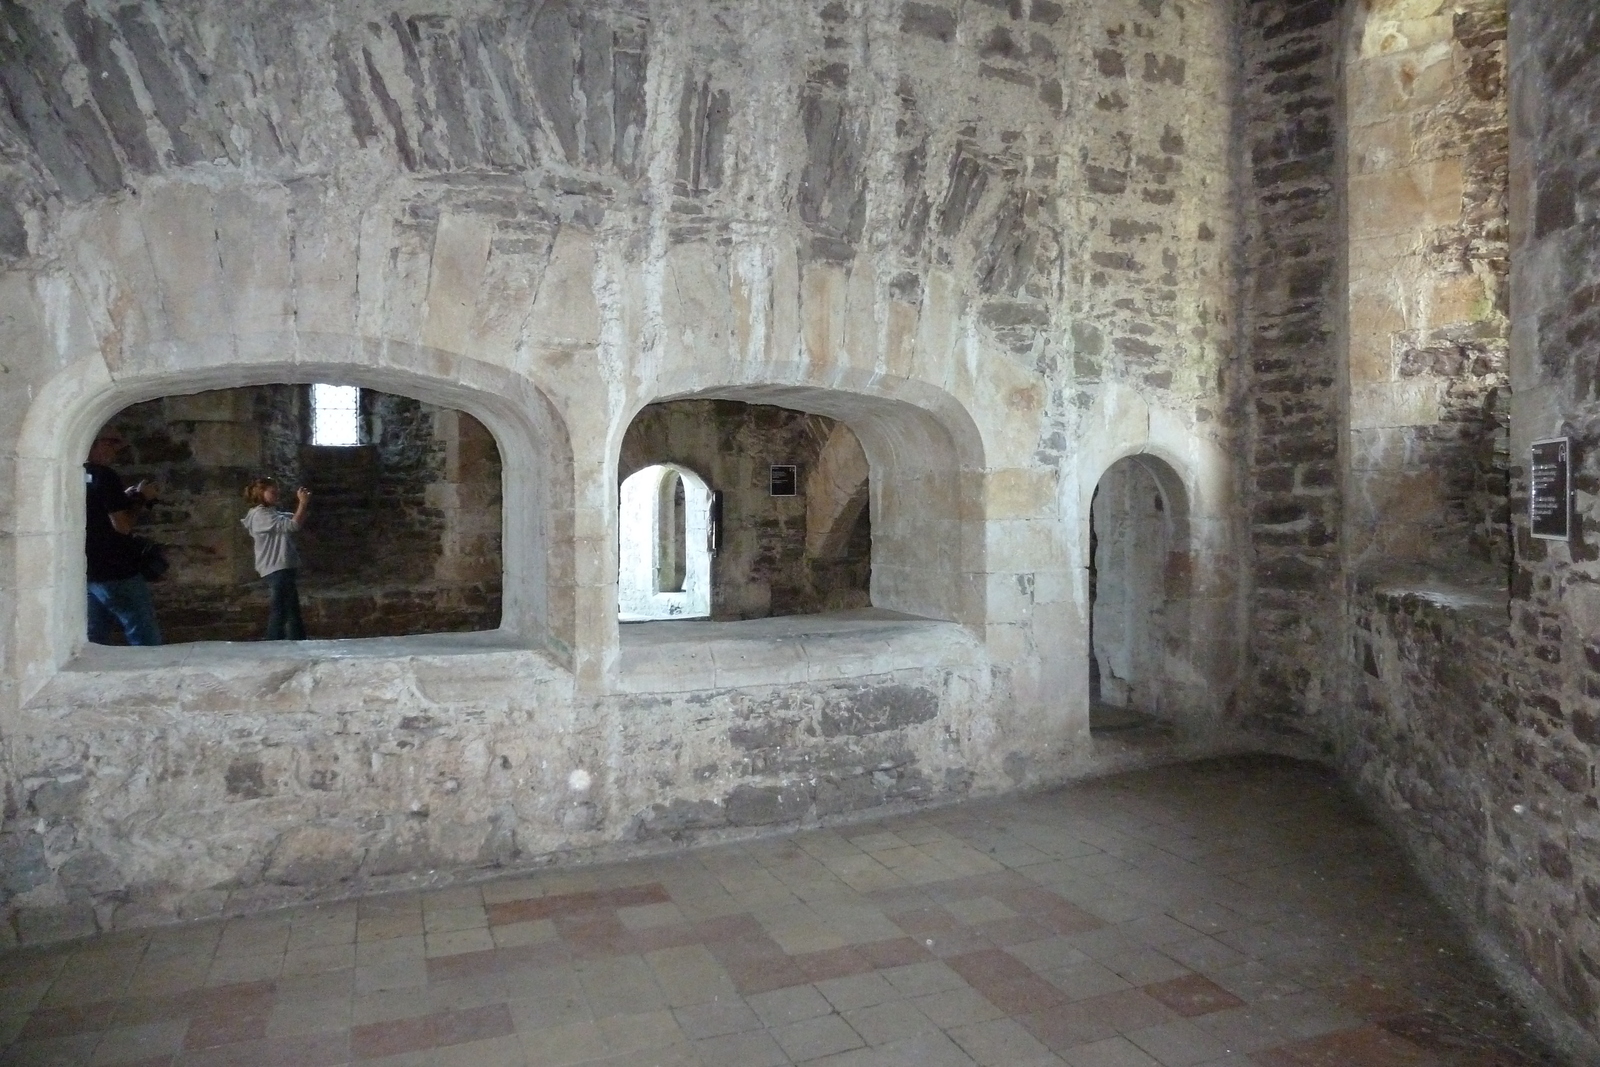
[
  {"x": 994, "y": 239},
  {"x": 765, "y": 563},
  {"x": 406, "y": 531},
  {"x": 1474, "y": 717}
]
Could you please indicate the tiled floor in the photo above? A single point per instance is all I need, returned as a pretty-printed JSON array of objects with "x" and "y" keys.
[{"x": 1229, "y": 914}]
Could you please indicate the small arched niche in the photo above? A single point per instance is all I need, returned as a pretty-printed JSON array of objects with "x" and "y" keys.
[
  {"x": 780, "y": 524},
  {"x": 1138, "y": 591},
  {"x": 664, "y": 522},
  {"x": 404, "y": 531}
]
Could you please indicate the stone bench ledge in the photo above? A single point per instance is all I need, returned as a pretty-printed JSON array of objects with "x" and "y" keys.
[
  {"x": 118, "y": 686},
  {"x": 663, "y": 657}
]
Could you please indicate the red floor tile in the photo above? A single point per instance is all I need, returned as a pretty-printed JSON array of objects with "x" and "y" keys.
[
  {"x": 762, "y": 974},
  {"x": 1367, "y": 1047},
  {"x": 1006, "y": 982},
  {"x": 594, "y": 933},
  {"x": 1065, "y": 1026},
  {"x": 1050, "y": 910},
  {"x": 429, "y": 1031},
  {"x": 634, "y": 895},
  {"x": 312, "y": 1050},
  {"x": 927, "y": 921},
  {"x": 214, "y": 1029},
  {"x": 1192, "y": 995},
  {"x": 1370, "y": 999}
]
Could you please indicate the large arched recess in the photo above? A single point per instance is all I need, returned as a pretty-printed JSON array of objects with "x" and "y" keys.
[
  {"x": 538, "y": 599},
  {"x": 926, "y": 458}
]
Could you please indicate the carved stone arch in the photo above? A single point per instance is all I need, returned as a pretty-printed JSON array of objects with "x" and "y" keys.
[{"x": 61, "y": 422}]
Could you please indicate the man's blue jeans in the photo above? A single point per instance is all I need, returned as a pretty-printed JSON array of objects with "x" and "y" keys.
[{"x": 126, "y": 603}]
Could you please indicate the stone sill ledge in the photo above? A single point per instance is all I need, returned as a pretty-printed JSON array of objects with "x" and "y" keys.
[
  {"x": 123, "y": 686},
  {"x": 478, "y": 673},
  {"x": 113, "y": 658},
  {"x": 665, "y": 657},
  {"x": 1475, "y": 592}
]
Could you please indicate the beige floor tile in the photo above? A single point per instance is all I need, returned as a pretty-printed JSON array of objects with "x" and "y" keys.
[
  {"x": 558, "y": 1046},
  {"x": 292, "y": 1016},
  {"x": 533, "y": 932},
  {"x": 690, "y": 975},
  {"x": 334, "y": 957},
  {"x": 390, "y": 950},
  {"x": 753, "y": 1049},
  {"x": 394, "y": 974},
  {"x": 445, "y": 920},
  {"x": 510, "y": 889},
  {"x": 646, "y": 1030},
  {"x": 467, "y": 896},
  {"x": 894, "y": 1020},
  {"x": 226, "y": 970},
  {"x": 385, "y": 927},
  {"x": 998, "y": 1043},
  {"x": 958, "y": 1007},
  {"x": 620, "y": 985},
  {"x": 132, "y": 1043},
  {"x": 812, "y": 1039},
  {"x": 455, "y": 942}
]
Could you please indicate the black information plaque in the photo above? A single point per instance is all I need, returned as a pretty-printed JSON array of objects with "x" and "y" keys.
[
  {"x": 1549, "y": 489},
  {"x": 783, "y": 480}
]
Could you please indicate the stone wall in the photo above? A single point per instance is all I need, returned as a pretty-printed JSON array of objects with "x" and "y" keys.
[
  {"x": 1474, "y": 719},
  {"x": 404, "y": 536},
  {"x": 996, "y": 240},
  {"x": 1290, "y": 386},
  {"x": 767, "y": 561}
]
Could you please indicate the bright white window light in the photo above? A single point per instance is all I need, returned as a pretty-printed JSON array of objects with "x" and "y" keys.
[{"x": 335, "y": 415}]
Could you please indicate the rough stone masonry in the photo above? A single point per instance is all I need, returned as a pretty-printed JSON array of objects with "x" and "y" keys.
[{"x": 1324, "y": 267}]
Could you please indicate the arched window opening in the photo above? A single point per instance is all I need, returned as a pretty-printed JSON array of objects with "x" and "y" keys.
[
  {"x": 664, "y": 546},
  {"x": 671, "y": 544},
  {"x": 1136, "y": 591},
  {"x": 799, "y": 544},
  {"x": 403, "y": 534}
]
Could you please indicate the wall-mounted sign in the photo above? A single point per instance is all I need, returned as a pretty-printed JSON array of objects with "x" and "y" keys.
[
  {"x": 783, "y": 480},
  {"x": 1550, "y": 489}
]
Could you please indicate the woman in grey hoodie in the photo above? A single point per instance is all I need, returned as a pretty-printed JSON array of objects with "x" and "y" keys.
[{"x": 277, "y": 559}]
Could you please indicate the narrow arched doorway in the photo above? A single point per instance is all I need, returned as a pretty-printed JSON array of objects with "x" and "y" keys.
[
  {"x": 1137, "y": 591},
  {"x": 665, "y": 557}
]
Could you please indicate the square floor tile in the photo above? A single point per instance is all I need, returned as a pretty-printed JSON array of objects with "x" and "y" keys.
[
  {"x": 790, "y": 1005},
  {"x": 811, "y": 1039}
]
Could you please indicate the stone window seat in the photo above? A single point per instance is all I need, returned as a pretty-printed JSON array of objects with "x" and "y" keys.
[
  {"x": 1473, "y": 593},
  {"x": 124, "y": 684},
  {"x": 665, "y": 657}
]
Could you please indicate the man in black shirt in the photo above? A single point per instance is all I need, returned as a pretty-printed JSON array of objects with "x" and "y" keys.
[{"x": 118, "y": 593}]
